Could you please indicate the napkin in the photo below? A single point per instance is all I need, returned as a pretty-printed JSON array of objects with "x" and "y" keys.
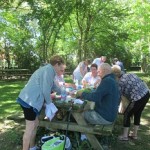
[
  {"x": 50, "y": 111},
  {"x": 78, "y": 101}
]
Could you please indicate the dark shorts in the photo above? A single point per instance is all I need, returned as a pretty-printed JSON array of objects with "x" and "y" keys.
[{"x": 29, "y": 113}]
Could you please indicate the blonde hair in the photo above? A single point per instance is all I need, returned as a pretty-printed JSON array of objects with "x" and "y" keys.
[{"x": 116, "y": 70}]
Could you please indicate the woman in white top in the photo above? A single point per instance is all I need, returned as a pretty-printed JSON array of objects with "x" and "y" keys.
[
  {"x": 81, "y": 70},
  {"x": 91, "y": 78},
  {"x": 59, "y": 78}
]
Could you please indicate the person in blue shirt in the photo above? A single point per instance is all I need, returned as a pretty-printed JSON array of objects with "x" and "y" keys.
[
  {"x": 106, "y": 98},
  {"x": 35, "y": 93},
  {"x": 119, "y": 63}
]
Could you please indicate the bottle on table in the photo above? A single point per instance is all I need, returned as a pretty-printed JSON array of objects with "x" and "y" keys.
[
  {"x": 78, "y": 84},
  {"x": 63, "y": 92}
]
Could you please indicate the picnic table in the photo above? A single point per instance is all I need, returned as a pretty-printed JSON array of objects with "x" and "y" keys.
[
  {"x": 80, "y": 125},
  {"x": 14, "y": 73}
]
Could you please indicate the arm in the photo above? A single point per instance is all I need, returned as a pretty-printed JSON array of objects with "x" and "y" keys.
[
  {"x": 46, "y": 82},
  {"x": 81, "y": 69},
  {"x": 99, "y": 93},
  {"x": 56, "y": 88},
  {"x": 94, "y": 61},
  {"x": 85, "y": 80}
]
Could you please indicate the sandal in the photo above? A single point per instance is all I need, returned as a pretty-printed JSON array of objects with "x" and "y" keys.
[{"x": 122, "y": 138}]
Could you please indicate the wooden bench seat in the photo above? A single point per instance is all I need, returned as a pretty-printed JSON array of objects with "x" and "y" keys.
[
  {"x": 104, "y": 129},
  {"x": 90, "y": 129}
]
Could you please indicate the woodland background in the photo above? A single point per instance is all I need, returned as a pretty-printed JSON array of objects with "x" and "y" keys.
[{"x": 31, "y": 31}]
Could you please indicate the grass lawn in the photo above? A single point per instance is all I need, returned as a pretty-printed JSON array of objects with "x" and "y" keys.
[{"x": 11, "y": 131}]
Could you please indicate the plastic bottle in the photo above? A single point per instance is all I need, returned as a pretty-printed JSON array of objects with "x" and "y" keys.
[
  {"x": 78, "y": 85},
  {"x": 63, "y": 92}
]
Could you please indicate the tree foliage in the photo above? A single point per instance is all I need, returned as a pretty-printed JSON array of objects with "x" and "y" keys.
[{"x": 81, "y": 28}]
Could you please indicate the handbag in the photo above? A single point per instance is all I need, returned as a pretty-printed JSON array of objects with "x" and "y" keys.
[{"x": 123, "y": 104}]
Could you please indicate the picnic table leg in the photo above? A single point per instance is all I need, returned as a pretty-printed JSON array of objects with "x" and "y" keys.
[{"x": 92, "y": 139}]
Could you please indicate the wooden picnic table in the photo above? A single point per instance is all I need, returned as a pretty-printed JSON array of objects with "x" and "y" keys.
[
  {"x": 11, "y": 73},
  {"x": 79, "y": 126}
]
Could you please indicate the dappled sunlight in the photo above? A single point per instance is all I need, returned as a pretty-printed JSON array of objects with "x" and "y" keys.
[
  {"x": 10, "y": 111},
  {"x": 145, "y": 121},
  {"x": 146, "y": 115},
  {"x": 8, "y": 102}
]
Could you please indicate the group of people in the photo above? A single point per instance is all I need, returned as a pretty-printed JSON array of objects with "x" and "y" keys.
[
  {"x": 110, "y": 83},
  {"x": 88, "y": 77}
]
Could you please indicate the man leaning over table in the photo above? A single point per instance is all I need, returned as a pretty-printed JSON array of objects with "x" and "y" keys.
[
  {"x": 106, "y": 98},
  {"x": 34, "y": 94}
]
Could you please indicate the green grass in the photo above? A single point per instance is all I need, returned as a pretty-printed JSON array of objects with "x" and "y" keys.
[
  {"x": 11, "y": 133},
  {"x": 9, "y": 93}
]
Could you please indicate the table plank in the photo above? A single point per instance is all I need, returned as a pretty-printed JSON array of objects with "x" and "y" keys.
[
  {"x": 91, "y": 137},
  {"x": 72, "y": 126},
  {"x": 80, "y": 126},
  {"x": 10, "y": 73}
]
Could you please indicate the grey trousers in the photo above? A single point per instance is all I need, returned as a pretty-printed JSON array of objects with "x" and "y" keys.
[{"x": 93, "y": 117}]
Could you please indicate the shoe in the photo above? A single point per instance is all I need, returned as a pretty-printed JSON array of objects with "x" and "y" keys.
[
  {"x": 133, "y": 137},
  {"x": 122, "y": 138}
]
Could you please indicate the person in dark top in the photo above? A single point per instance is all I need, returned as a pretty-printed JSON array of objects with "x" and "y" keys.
[
  {"x": 106, "y": 98},
  {"x": 119, "y": 63}
]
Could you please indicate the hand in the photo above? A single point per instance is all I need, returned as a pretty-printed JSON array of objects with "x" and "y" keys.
[
  {"x": 79, "y": 93},
  {"x": 72, "y": 95},
  {"x": 53, "y": 96}
]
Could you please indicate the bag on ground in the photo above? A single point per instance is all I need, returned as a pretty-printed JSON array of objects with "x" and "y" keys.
[{"x": 55, "y": 143}]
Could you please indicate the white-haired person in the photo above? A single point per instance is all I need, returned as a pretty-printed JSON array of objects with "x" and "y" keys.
[
  {"x": 105, "y": 96},
  {"x": 135, "y": 90},
  {"x": 91, "y": 78}
]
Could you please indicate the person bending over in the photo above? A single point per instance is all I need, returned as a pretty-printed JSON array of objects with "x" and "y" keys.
[
  {"x": 35, "y": 93},
  {"x": 136, "y": 91}
]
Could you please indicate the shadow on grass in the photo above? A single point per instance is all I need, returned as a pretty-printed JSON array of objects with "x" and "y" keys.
[
  {"x": 11, "y": 136},
  {"x": 143, "y": 142}
]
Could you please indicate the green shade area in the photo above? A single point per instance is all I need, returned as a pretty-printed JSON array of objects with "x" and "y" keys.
[{"x": 11, "y": 130}]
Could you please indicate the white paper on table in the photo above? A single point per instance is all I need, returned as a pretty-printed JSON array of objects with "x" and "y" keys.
[
  {"x": 50, "y": 111},
  {"x": 78, "y": 101}
]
